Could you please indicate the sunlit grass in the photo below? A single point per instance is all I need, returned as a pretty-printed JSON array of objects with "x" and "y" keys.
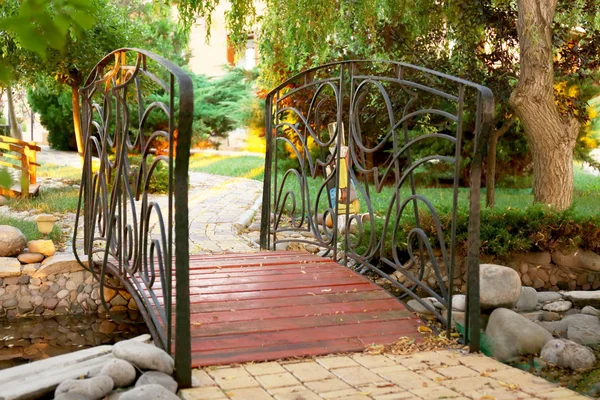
[
  {"x": 50, "y": 170},
  {"x": 50, "y": 201},
  {"x": 249, "y": 167}
]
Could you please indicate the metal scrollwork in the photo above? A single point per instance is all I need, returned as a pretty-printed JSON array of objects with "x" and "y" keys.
[
  {"x": 136, "y": 110},
  {"x": 348, "y": 144}
]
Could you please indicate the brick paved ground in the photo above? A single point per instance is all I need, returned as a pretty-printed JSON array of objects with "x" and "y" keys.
[{"x": 448, "y": 374}]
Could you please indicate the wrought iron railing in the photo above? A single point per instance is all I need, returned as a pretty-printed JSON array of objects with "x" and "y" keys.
[
  {"x": 363, "y": 196},
  {"x": 136, "y": 127}
]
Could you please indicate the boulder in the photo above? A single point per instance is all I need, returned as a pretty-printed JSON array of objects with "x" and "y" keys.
[
  {"x": 12, "y": 241},
  {"x": 149, "y": 392},
  {"x": 144, "y": 356},
  {"x": 459, "y": 302},
  {"x": 577, "y": 258},
  {"x": 589, "y": 310},
  {"x": 583, "y": 329},
  {"x": 45, "y": 247},
  {"x": 513, "y": 335},
  {"x": 158, "y": 378},
  {"x": 70, "y": 396},
  {"x": 419, "y": 308},
  {"x": 120, "y": 371},
  {"x": 92, "y": 388},
  {"x": 567, "y": 354},
  {"x": 548, "y": 297},
  {"x": 528, "y": 299},
  {"x": 582, "y": 298},
  {"x": 558, "y": 306},
  {"x": 9, "y": 267},
  {"x": 30, "y": 258},
  {"x": 59, "y": 264},
  {"x": 499, "y": 286}
]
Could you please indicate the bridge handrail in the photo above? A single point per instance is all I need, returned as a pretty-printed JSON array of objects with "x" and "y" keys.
[
  {"x": 26, "y": 156},
  {"x": 298, "y": 114},
  {"x": 125, "y": 234}
]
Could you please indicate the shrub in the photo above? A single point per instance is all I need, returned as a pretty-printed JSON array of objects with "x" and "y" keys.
[{"x": 56, "y": 115}]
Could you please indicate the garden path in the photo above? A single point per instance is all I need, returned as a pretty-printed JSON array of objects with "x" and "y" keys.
[{"x": 216, "y": 205}]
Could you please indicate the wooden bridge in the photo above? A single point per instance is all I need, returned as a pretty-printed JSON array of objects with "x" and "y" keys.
[{"x": 230, "y": 308}]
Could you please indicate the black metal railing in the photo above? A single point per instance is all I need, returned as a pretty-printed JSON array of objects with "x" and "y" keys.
[
  {"x": 353, "y": 149},
  {"x": 136, "y": 127}
]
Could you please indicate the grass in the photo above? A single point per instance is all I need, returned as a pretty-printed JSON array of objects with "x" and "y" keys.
[
  {"x": 50, "y": 201},
  {"x": 29, "y": 228},
  {"x": 249, "y": 167},
  {"x": 49, "y": 170}
]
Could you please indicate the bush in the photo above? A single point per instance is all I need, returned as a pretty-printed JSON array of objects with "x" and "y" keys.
[{"x": 56, "y": 115}]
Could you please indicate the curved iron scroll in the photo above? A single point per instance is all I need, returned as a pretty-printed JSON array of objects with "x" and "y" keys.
[
  {"x": 347, "y": 144},
  {"x": 136, "y": 127}
]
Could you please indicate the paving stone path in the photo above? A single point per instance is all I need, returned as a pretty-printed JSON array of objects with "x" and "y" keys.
[{"x": 447, "y": 374}]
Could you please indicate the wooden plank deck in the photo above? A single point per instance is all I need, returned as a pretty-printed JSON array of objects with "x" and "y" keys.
[{"x": 270, "y": 305}]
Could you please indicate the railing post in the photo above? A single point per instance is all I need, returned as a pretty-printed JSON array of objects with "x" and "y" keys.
[
  {"x": 32, "y": 154},
  {"x": 24, "y": 173}
]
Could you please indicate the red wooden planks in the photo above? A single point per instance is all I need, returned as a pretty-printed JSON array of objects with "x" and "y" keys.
[{"x": 262, "y": 306}]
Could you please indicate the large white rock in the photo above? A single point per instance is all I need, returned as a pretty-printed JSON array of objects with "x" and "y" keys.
[
  {"x": 527, "y": 300},
  {"x": 582, "y": 298},
  {"x": 513, "y": 335},
  {"x": 59, "y": 264},
  {"x": 567, "y": 354},
  {"x": 45, "y": 247},
  {"x": 149, "y": 392},
  {"x": 558, "y": 306},
  {"x": 583, "y": 329},
  {"x": 92, "y": 388},
  {"x": 499, "y": 286},
  {"x": 144, "y": 356},
  {"x": 120, "y": 371},
  {"x": 12, "y": 241},
  {"x": 9, "y": 266},
  {"x": 548, "y": 297}
]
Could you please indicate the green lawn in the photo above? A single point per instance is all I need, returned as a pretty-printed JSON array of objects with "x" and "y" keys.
[{"x": 29, "y": 228}]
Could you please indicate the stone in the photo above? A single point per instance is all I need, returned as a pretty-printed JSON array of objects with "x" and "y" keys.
[
  {"x": 577, "y": 258},
  {"x": 513, "y": 335},
  {"x": 120, "y": 371},
  {"x": 10, "y": 303},
  {"x": 550, "y": 316},
  {"x": 58, "y": 264},
  {"x": 71, "y": 396},
  {"x": 159, "y": 378},
  {"x": 92, "y": 388},
  {"x": 589, "y": 310},
  {"x": 567, "y": 354},
  {"x": 547, "y": 297},
  {"x": 528, "y": 299},
  {"x": 12, "y": 241},
  {"x": 24, "y": 307},
  {"x": 419, "y": 308},
  {"x": 459, "y": 302},
  {"x": 45, "y": 247},
  {"x": 144, "y": 356},
  {"x": 558, "y": 306},
  {"x": 108, "y": 293},
  {"x": 149, "y": 392},
  {"x": 537, "y": 257},
  {"x": 50, "y": 303},
  {"x": 62, "y": 294},
  {"x": 118, "y": 300},
  {"x": 107, "y": 327},
  {"x": 24, "y": 279},
  {"x": 9, "y": 267},
  {"x": 30, "y": 258},
  {"x": 581, "y": 298},
  {"x": 30, "y": 269},
  {"x": 499, "y": 286},
  {"x": 70, "y": 285},
  {"x": 583, "y": 329}
]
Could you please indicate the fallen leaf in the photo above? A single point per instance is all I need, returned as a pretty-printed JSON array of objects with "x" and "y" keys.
[
  {"x": 228, "y": 378},
  {"x": 424, "y": 329},
  {"x": 326, "y": 290},
  {"x": 304, "y": 272},
  {"x": 508, "y": 385}
]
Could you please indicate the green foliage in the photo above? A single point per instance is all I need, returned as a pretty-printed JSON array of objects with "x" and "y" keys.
[
  {"x": 56, "y": 115},
  {"x": 6, "y": 180},
  {"x": 220, "y": 105}
]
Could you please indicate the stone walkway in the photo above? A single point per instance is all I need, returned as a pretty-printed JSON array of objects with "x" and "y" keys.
[
  {"x": 216, "y": 204},
  {"x": 448, "y": 374}
]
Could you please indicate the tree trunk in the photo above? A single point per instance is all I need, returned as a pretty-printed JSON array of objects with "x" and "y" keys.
[
  {"x": 490, "y": 171},
  {"x": 551, "y": 136},
  {"x": 15, "y": 131},
  {"x": 77, "y": 121}
]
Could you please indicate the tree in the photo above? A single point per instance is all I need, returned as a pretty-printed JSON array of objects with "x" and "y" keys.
[{"x": 476, "y": 40}]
